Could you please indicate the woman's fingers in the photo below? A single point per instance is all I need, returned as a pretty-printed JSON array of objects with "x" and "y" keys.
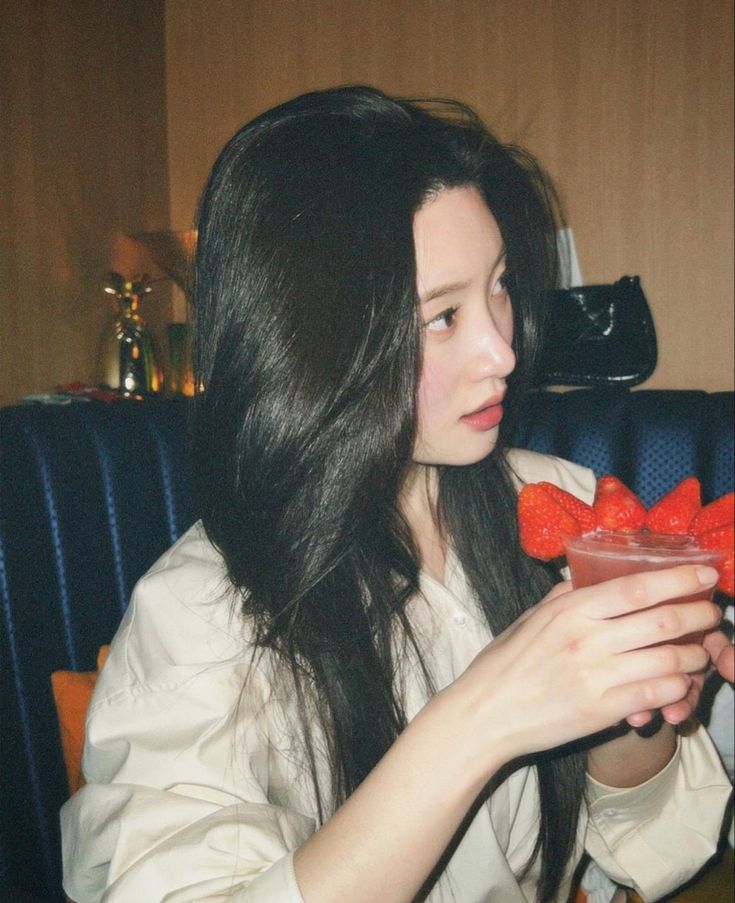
[
  {"x": 679, "y": 711},
  {"x": 646, "y": 695},
  {"x": 657, "y": 661},
  {"x": 722, "y": 653},
  {"x": 661, "y": 624},
  {"x": 606, "y": 653},
  {"x": 725, "y": 663},
  {"x": 632, "y": 609},
  {"x": 640, "y": 719},
  {"x": 674, "y": 713},
  {"x": 692, "y": 660},
  {"x": 638, "y": 591}
]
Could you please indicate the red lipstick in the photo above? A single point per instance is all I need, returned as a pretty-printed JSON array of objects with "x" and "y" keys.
[{"x": 486, "y": 417}]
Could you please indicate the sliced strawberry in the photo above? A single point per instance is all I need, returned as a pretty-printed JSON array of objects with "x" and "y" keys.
[
  {"x": 677, "y": 509},
  {"x": 719, "y": 513},
  {"x": 722, "y": 539},
  {"x": 580, "y": 511},
  {"x": 616, "y": 507},
  {"x": 543, "y": 523}
]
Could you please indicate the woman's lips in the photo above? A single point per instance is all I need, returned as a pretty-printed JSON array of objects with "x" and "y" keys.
[{"x": 484, "y": 418}]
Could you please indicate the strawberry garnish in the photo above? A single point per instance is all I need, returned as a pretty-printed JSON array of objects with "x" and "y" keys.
[
  {"x": 719, "y": 513},
  {"x": 677, "y": 509},
  {"x": 722, "y": 539},
  {"x": 616, "y": 507},
  {"x": 580, "y": 511},
  {"x": 726, "y": 583},
  {"x": 548, "y": 514},
  {"x": 543, "y": 523}
]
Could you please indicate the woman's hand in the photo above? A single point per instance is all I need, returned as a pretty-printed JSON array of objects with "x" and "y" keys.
[
  {"x": 722, "y": 653},
  {"x": 721, "y": 658},
  {"x": 584, "y": 660},
  {"x": 569, "y": 667}
]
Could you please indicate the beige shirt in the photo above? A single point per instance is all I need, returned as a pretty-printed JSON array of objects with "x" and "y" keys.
[{"x": 196, "y": 789}]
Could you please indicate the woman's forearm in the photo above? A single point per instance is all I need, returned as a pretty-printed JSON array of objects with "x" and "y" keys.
[
  {"x": 383, "y": 843},
  {"x": 631, "y": 759}
]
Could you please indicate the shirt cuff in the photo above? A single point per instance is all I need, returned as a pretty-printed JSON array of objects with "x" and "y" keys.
[
  {"x": 656, "y": 836},
  {"x": 618, "y": 807},
  {"x": 278, "y": 882}
]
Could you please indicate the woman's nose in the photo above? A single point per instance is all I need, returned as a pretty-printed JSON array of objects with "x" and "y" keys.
[{"x": 494, "y": 355}]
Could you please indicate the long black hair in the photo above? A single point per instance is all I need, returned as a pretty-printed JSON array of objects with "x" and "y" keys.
[{"x": 308, "y": 345}]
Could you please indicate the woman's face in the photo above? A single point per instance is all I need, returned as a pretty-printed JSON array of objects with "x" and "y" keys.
[{"x": 467, "y": 321}]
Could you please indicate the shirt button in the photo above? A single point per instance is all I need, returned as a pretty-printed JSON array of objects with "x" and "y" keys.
[{"x": 459, "y": 618}]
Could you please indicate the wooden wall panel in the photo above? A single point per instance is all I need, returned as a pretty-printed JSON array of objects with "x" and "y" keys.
[
  {"x": 82, "y": 162},
  {"x": 628, "y": 103}
]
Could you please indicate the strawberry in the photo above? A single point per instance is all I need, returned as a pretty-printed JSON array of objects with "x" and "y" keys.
[
  {"x": 616, "y": 507},
  {"x": 726, "y": 583},
  {"x": 580, "y": 511},
  {"x": 722, "y": 539},
  {"x": 543, "y": 523},
  {"x": 719, "y": 513},
  {"x": 674, "y": 512}
]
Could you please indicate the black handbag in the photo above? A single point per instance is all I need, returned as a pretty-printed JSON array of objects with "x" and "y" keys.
[{"x": 598, "y": 335}]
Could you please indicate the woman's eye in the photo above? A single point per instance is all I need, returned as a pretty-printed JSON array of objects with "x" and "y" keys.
[
  {"x": 500, "y": 286},
  {"x": 443, "y": 321}
]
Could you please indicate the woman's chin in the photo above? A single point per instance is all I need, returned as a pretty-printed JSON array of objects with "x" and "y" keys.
[{"x": 468, "y": 450}]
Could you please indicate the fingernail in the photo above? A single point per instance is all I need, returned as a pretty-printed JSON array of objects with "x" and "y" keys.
[{"x": 707, "y": 576}]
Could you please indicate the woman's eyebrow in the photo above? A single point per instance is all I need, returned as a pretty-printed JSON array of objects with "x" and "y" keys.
[
  {"x": 448, "y": 289},
  {"x": 452, "y": 287}
]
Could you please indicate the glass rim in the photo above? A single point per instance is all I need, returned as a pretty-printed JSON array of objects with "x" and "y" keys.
[{"x": 645, "y": 545}]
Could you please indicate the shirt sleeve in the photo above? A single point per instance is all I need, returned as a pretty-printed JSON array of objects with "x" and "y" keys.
[
  {"x": 657, "y": 836},
  {"x": 185, "y": 813},
  {"x": 184, "y": 798},
  {"x": 129, "y": 842}
]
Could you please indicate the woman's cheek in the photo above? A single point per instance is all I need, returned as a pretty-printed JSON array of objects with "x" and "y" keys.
[
  {"x": 435, "y": 392},
  {"x": 430, "y": 387}
]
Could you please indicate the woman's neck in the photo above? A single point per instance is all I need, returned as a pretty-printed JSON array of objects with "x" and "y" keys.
[{"x": 418, "y": 505}]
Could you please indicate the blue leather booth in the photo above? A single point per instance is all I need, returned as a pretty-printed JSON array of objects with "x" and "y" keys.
[{"x": 92, "y": 493}]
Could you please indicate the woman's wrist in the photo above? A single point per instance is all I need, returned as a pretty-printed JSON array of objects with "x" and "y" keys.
[{"x": 476, "y": 752}]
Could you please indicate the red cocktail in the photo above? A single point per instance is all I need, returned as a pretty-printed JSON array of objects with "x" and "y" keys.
[{"x": 595, "y": 557}]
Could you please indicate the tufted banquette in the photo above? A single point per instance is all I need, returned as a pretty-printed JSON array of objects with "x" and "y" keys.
[{"x": 92, "y": 493}]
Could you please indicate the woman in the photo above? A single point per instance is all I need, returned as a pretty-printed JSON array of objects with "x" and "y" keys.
[{"x": 303, "y": 701}]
